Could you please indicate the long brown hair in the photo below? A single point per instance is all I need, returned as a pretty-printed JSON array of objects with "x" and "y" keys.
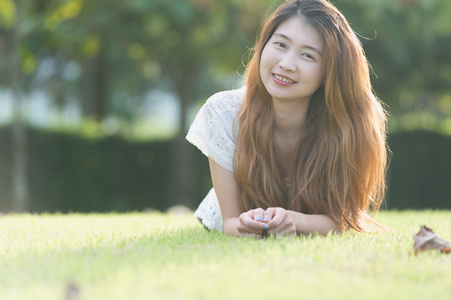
[{"x": 340, "y": 163}]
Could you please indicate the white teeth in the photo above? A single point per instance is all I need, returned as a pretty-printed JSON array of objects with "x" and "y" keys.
[{"x": 283, "y": 79}]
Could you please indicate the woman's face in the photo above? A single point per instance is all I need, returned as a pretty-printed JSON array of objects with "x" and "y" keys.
[{"x": 291, "y": 62}]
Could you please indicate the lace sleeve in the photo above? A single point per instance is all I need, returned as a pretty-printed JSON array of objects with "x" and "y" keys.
[{"x": 212, "y": 129}]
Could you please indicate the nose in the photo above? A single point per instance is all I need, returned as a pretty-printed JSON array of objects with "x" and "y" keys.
[{"x": 287, "y": 63}]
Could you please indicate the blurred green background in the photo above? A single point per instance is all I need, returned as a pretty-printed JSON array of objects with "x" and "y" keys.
[{"x": 97, "y": 96}]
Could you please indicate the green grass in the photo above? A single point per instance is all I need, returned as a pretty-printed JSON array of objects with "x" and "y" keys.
[{"x": 158, "y": 256}]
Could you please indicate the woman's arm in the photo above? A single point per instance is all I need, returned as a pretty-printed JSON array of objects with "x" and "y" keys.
[
  {"x": 283, "y": 222},
  {"x": 274, "y": 220},
  {"x": 235, "y": 222},
  {"x": 306, "y": 224}
]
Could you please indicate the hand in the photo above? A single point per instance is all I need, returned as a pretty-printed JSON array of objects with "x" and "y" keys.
[
  {"x": 251, "y": 223},
  {"x": 279, "y": 222}
]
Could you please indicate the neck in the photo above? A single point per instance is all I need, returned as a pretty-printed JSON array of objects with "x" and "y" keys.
[{"x": 289, "y": 117}]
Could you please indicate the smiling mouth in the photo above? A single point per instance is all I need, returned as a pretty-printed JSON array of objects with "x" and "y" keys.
[{"x": 283, "y": 78}]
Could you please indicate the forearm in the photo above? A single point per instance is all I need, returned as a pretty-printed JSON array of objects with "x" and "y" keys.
[
  {"x": 306, "y": 224},
  {"x": 245, "y": 225},
  {"x": 230, "y": 226}
]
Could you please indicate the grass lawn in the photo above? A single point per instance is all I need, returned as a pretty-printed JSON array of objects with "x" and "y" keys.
[{"x": 159, "y": 256}]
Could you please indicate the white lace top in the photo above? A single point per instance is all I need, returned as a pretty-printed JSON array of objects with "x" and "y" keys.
[{"x": 212, "y": 133}]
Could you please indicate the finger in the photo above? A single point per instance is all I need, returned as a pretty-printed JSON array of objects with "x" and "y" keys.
[
  {"x": 249, "y": 217},
  {"x": 248, "y": 224},
  {"x": 269, "y": 214},
  {"x": 278, "y": 217},
  {"x": 249, "y": 232},
  {"x": 258, "y": 214},
  {"x": 280, "y": 222}
]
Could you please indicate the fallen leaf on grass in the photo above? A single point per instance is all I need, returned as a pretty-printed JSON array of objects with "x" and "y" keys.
[
  {"x": 426, "y": 239},
  {"x": 72, "y": 291}
]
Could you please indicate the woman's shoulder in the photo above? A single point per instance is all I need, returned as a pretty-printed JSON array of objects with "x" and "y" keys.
[
  {"x": 212, "y": 129},
  {"x": 226, "y": 101}
]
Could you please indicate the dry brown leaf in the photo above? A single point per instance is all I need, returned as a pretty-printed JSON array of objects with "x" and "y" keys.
[
  {"x": 72, "y": 291},
  {"x": 426, "y": 239}
]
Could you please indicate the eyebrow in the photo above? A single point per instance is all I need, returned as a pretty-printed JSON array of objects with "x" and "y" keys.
[{"x": 305, "y": 46}]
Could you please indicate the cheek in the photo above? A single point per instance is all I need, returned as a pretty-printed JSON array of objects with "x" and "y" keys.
[
  {"x": 262, "y": 62},
  {"x": 266, "y": 59},
  {"x": 317, "y": 75}
]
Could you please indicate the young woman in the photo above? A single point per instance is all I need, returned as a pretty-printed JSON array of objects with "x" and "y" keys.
[{"x": 302, "y": 147}]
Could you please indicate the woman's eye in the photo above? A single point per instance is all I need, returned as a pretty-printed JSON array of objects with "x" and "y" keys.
[
  {"x": 280, "y": 44},
  {"x": 308, "y": 56}
]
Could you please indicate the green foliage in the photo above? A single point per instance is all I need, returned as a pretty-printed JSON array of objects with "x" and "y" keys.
[
  {"x": 423, "y": 121},
  {"x": 193, "y": 48},
  {"x": 69, "y": 172},
  {"x": 148, "y": 44},
  {"x": 408, "y": 43},
  {"x": 143, "y": 44},
  {"x": 7, "y": 13},
  {"x": 419, "y": 175},
  {"x": 143, "y": 256}
]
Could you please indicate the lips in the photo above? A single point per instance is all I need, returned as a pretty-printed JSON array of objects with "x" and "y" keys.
[{"x": 283, "y": 79}]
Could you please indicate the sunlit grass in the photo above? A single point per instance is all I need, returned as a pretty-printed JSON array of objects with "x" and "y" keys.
[{"x": 159, "y": 256}]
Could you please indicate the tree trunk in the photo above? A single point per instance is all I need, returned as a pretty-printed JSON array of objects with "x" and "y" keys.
[
  {"x": 182, "y": 151},
  {"x": 93, "y": 87},
  {"x": 19, "y": 136}
]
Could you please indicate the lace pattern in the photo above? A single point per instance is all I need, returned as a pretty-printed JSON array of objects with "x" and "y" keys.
[
  {"x": 212, "y": 133},
  {"x": 212, "y": 129},
  {"x": 209, "y": 212}
]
